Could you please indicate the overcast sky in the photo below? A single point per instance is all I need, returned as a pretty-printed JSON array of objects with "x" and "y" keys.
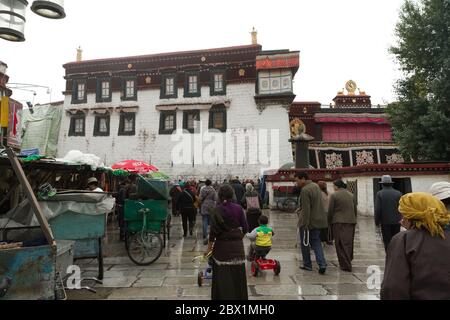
[{"x": 337, "y": 40}]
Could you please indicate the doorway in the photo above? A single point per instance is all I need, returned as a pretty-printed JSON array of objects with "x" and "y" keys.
[{"x": 401, "y": 184}]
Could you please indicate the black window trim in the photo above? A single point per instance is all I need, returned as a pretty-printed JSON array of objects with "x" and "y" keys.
[
  {"x": 218, "y": 109},
  {"x": 122, "y": 124},
  {"x": 188, "y": 94},
  {"x": 163, "y": 94},
  {"x": 75, "y": 83},
  {"x": 185, "y": 119},
  {"x": 99, "y": 97},
  {"x": 124, "y": 88},
  {"x": 72, "y": 133},
  {"x": 97, "y": 132},
  {"x": 162, "y": 118},
  {"x": 212, "y": 86}
]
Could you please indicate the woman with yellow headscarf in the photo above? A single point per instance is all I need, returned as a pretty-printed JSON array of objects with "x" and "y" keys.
[{"x": 418, "y": 260}]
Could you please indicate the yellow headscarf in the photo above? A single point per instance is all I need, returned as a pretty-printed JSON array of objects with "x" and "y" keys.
[{"x": 426, "y": 211}]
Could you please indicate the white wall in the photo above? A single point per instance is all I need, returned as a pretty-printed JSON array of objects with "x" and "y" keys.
[
  {"x": 421, "y": 183},
  {"x": 148, "y": 145}
]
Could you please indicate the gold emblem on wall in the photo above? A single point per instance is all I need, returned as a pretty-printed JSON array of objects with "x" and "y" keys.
[
  {"x": 148, "y": 80},
  {"x": 241, "y": 72},
  {"x": 297, "y": 127}
]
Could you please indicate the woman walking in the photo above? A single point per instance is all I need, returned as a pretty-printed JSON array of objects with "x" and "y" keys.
[
  {"x": 208, "y": 200},
  {"x": 342, "y": 218},
  {"x": 185, "y": 206},
  {"x": 228, "y": 227},
  {"x": 418, "y": 260},
  {"x": 251, "y": 198}
]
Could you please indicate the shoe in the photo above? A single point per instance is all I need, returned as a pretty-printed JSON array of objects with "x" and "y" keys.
[
  {"x": 322, "y": 270},
  {"x": 205, "y": 242},
  {"x": 306, "y": 268}
]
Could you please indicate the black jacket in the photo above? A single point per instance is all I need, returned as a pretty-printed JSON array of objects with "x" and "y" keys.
[
  {"x": 386, "y": 206},
  {"x": 185, "y": 200},
  {"x": 239, "y": 190}
]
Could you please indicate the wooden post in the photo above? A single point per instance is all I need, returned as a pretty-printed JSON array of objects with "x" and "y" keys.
[{"x": 31, "y": 197}]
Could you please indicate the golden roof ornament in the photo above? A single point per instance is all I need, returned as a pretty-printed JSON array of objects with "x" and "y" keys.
[
  {"x": 254, "y": 34},
  {"x": 351, "y": 87},
  {"x": 79, "y": 54}
]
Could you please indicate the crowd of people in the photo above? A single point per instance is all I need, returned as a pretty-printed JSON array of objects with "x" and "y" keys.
[
  {"x": 417, "y": 258},
  {"x": 228, "y": 211}
]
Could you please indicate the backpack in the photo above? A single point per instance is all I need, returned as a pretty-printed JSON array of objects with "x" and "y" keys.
[{"x": 252, "y": 202}]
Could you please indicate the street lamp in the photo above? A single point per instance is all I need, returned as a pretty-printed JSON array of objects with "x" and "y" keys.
[
  {"x": 49, "y": 9},
  {"x": 12, "y": 19},
  {"x": 12, "y": 16}
]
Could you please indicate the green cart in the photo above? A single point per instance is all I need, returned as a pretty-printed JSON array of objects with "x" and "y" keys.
[{"x": 145, "y": 221}]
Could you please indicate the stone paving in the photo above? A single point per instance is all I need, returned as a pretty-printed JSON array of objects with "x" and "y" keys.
[{"x": 174, "y": 275}]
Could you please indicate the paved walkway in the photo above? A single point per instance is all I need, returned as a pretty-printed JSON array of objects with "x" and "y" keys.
[{"x": 174, "y": 275}]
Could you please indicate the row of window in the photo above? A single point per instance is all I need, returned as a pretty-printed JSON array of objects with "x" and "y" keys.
[
  {"x": 167, "y": 123},
  {"x": 169, "y": 87}
]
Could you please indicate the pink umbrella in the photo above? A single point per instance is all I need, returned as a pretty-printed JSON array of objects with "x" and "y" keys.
[{"x": 134, "y": 166}]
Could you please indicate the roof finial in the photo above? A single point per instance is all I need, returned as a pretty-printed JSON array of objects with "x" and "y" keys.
[
  {"x": 79, "y": 54},
  {"x": 254, "y": 34}
]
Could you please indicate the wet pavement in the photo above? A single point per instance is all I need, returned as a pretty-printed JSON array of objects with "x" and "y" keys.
[{"x": 174, "y": 275}]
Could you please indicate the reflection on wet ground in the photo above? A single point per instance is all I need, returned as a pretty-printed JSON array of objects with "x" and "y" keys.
[{"x": 174, "y": 275}]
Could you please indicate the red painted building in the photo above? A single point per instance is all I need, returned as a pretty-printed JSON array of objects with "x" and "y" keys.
[{"x": 349, "y": 132}]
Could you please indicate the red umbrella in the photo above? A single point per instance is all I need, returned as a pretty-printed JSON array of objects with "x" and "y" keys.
[{"x": 134, "y": 166}]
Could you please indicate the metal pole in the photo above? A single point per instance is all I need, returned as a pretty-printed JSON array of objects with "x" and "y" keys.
[{"x": 31, "y": 197}]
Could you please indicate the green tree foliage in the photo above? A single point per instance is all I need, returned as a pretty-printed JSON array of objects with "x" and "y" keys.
[{"x": 421, "y": 117}]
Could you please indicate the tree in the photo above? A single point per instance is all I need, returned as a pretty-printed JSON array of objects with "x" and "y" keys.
[{"x": 421, "y": 117}]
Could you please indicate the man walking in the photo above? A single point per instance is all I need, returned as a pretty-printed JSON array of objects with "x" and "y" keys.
[
  {"x": 312, "y": 218},
  {"x": 386, "y": 210}
]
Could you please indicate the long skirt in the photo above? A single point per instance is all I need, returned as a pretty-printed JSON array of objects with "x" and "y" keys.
[
  {"x": 344, "y": 235},
  {"x": 229, "y": 282}
]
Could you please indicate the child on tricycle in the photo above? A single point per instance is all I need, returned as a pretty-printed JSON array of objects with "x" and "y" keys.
[{"x": 261, "y": 238}]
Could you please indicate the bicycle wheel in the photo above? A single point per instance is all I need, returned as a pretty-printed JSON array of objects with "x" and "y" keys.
[
  {"x": 144, "y": 248},
  {"x": 290, "y": 205}
]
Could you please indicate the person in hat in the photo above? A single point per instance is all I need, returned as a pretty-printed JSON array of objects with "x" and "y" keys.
[
  {"x": 92, "y": 184},
  {"x": 441, "y": 190},
  {"x": 386, "y": 210},
  {"x": 417, "y": 261}
]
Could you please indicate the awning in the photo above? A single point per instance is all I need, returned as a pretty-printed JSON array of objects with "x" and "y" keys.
[
  {"x": 192, "y": 106},
  {"x": 127, "y": 109},
  {"x": 351, "y": 118}
]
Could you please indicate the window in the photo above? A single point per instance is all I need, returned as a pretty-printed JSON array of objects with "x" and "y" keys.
[
  {"x": 218, "y": 83},
  {"x": 127, "y": 124},
  {"x": 192, "y": 88},
  {"x": 275, "y": 81},
  {"x": 169, "y": 86},
  {"x": 129, "y": 89},
  {"x": 79, "y": 91},
  {"x": 218, "y": 118},
  {"x": 101, "y": 127},
  {"x": 167, "y": 122},
  {"x": 103, "y": 90},
  {"x": 190, "y": 120},
  {"x": 77, "y": 125}
]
